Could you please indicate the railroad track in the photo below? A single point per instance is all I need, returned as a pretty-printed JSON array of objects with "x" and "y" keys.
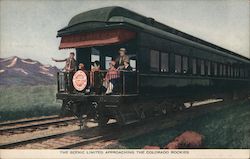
[
  {"x": 81, "y": 138},
  {"x": 24, "y": 121},
  {"x": 30, "y": 125},
  {"x": 63, "y": 140}
]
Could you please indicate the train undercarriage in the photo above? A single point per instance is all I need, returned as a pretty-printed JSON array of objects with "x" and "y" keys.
[{"x": 127, "y": 109}]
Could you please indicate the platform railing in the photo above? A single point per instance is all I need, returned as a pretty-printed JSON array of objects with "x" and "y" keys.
[
  {"x": 63, "y": 81},
  {"x": 122, "y": 82}
]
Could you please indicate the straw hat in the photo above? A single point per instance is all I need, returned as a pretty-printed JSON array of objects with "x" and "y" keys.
[{"x": 122, "y": 49}]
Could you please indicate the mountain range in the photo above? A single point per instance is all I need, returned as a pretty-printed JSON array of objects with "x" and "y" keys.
[{"x": 18, "y": 71}]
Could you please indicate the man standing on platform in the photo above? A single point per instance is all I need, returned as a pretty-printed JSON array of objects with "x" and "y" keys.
[
  {"x": 122, "y": 57},
  {"x": 69, "y": 69},
  {"x": 70, "y": 65}
]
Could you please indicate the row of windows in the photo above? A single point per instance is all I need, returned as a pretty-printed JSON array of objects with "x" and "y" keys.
[
  {"x": 108, "y": 59},
  {"x": 159, "y": 62}
]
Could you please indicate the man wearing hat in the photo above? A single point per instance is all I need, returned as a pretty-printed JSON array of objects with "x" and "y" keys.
[
  {"x": 70, "y": 67},
  {"x": 122, "y": 57}
]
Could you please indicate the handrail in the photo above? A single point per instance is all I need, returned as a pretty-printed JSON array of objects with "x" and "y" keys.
[{"x": 122, "y": 82}]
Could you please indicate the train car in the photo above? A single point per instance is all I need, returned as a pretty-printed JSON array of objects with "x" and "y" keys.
[{"x": 170, "y": 67}]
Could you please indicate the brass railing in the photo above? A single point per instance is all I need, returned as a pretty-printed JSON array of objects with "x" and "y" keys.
[{"x": 123, "y": 82}]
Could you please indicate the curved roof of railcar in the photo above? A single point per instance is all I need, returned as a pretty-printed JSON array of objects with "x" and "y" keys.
[{"x": 102, "y": 16}]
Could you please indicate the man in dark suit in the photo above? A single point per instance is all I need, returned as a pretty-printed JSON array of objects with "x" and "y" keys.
[
  {"x": 70, "y": 65},
  {"x": 127, "y": 66},
  {"x": 69, "y": 69}
]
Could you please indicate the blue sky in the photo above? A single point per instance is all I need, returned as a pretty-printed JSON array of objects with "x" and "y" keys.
[{"x": 28, "y": 28}]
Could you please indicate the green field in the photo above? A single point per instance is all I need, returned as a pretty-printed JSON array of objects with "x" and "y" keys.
[
  {"x": 226, "y": 128},
  {"x": 18, "y": 102}
]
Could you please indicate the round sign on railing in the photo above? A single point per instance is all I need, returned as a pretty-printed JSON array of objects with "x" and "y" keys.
[{"x": 80, "y": 80}]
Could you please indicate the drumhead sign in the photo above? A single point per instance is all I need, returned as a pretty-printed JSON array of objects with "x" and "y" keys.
[{"x": 80, "y": 80}]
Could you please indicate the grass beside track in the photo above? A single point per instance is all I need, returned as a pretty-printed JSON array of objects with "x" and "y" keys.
[
  {"x": 226, "y": 128},
  {"x": 17, "y": 102}
]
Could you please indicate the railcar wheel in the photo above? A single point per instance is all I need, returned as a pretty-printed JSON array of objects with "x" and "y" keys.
[
  {"x": 65, "y": 109},
  {"x": 164, "y": 110},
  {"x": 142, "y": 115},
  {"x": 100, "y": 114},
  {"x": 178, "y": 106},
  {"x": 140, "y": 112},
  {"x": 175, "y": 107},
  {"x": 102, "y": 121},
  {"x": 181, "y": 107}
]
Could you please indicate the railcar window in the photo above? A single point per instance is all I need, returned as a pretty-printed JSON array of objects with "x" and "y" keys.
[
  {"x": 107, "y": 60},
  {"x": 154, "y": 60},
  {"x": 241, "y": 72},
  {"x": 215, "y": 71},
  {"x": 220, "y": 70},
  {"x": 224, "y": 70},
  {"x": 208, "y": 65},
  {"x": 202, "y": 67},
  {"x": 95, "y": 55},
  {"x": 164, "y": 62},
  {"x": 95, "y": 58},
  {"x": 133, "y": 64},
  {"x": 177, "y": 64},
  {"x": 228, "y": 70},
  {"x": 237, "y": 72},
  {"x": 246, "y": 73},
  {"x": 184, "y": 64},
  {"x": 194, "y": 64},
  {"x": 232, "y": 71}
]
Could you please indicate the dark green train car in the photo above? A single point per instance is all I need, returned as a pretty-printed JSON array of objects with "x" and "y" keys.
[{"x": 170, "y": 67}]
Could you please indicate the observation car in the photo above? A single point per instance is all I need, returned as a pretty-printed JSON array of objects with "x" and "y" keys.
[{"x": 170, "y": 67}]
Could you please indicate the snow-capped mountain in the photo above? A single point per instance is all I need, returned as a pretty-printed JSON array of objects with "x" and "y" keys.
[{"x": 15, "y": 70}]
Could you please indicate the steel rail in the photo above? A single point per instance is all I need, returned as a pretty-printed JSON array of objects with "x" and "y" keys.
[
  {"x": 123, "y": 132},
  {"x": 48, "y": 123},
  {"x": 10, "y": 123}
]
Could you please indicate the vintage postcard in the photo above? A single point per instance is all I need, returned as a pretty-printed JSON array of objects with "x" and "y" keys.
[{"x": 124, "y": 79}]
